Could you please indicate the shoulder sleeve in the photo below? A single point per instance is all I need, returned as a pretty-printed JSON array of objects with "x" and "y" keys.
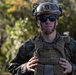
[
  {"x": 73, "y": 59},
  {"x": 21, "y": 57},
  {"x": 71, "y": 46}
]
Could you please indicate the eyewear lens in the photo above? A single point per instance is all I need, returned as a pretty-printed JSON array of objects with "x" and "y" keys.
[{"x": 44, "y": 18}]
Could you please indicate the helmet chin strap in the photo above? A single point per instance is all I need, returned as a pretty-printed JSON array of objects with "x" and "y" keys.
[
  {"x": 54, "y": 26},
  {"x": 51, "y": 30}
]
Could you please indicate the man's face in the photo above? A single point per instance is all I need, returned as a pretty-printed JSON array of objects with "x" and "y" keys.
[{"x": 47, "y": 23}]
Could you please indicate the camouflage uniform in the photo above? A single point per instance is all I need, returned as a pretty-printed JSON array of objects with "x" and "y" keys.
[{"x": 26, "y": 51}]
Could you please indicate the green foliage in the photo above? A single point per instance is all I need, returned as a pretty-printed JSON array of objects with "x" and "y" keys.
[
  {"x": 67, "y": 21},
  {"x": 16, "y": 26}
]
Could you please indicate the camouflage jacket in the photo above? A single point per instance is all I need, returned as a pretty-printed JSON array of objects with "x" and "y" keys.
[{"x": 26, "y": 50}]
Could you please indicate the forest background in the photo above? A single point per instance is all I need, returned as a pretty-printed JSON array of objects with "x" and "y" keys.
[{"x": 17, "y": 24}]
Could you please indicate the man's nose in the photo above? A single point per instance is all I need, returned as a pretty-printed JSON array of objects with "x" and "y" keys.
[{"x": 48, "y": 20}]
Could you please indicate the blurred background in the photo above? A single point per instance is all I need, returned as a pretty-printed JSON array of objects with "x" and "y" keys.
[{"x": 17, "y": 24}]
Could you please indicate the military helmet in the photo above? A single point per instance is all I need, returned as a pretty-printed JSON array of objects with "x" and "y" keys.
[{"x": 46, "y": 8}]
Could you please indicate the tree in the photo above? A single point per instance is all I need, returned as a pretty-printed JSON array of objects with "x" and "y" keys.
[
  {"x": 17, "y": 24},
  {"x": 67, "y": 21}
]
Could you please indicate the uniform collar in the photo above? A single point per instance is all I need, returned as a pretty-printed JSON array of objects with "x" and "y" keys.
[{"x": 56, "y": 38}]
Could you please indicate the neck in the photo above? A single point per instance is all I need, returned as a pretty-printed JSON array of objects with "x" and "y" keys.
[{"x": 49, "y": 37}]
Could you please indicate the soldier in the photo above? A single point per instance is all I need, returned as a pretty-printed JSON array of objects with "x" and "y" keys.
[{"x": 48, "y": 53}]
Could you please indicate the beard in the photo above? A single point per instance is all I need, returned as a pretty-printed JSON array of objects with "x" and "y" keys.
[{"x": 48, "y": 31}]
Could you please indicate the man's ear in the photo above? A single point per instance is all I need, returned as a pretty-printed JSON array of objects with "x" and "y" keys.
[
  {"x": 38, "y": 23},
  {"x": 56, "y": 22}
]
